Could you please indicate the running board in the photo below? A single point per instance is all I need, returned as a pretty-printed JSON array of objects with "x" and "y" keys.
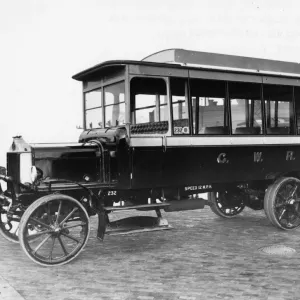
[
  {"x": 137, "y": 224},
  {"x": 143, "y": 207}
]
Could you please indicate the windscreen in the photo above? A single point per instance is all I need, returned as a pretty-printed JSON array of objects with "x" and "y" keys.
[{"x": 105, "y": 107}]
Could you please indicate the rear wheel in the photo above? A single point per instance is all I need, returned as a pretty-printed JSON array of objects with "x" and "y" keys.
[
  {"x": 282, "y": 203},
  {"x": 226, "y": 204},
  {"x": 54, "y": 229}
]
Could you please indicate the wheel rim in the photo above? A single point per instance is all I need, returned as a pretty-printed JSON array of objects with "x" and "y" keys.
[
  {"x": 55, "y": 232},
  {"x": 224, "y": 205},
  {"x": 9, "y": 226},
  {"x": 287, "y": 205}
]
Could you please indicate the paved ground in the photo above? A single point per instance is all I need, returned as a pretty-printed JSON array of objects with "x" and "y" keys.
[{"x": 203, "y": 257}]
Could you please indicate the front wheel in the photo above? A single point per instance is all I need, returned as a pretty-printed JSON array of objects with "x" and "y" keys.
[
  {"x": 282, "y": 203},
  {"x": 9, "y": 225},
  {"x": 226, "y": 204},
  {"x": 54, "y": 229}
]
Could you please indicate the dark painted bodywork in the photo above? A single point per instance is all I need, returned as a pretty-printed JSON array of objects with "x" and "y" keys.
[{"x": 186, "y": 166}]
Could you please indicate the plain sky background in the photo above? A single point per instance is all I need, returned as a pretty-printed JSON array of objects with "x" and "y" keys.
[{"x": 44, "y": 42}]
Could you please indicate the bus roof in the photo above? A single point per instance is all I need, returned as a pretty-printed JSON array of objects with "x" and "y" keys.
[{"x": 180, "y": 58}]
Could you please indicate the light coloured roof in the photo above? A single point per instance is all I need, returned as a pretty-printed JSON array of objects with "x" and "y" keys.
[
  {"x": 223, "y": 61},
  {"x": 180, "y": 58}
]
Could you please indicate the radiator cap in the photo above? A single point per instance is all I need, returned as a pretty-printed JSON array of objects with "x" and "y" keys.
[{"x": 19, "y": 145}]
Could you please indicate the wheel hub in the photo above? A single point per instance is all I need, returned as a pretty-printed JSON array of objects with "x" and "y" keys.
[
  {"x": 56, "y": 230},
  {"x": 291, "y": 201}
]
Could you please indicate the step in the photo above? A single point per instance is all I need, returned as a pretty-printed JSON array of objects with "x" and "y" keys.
[{"x": 137, "y": 224}]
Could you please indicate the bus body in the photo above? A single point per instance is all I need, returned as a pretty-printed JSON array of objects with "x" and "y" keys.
[{"x": 170, "y": 127}]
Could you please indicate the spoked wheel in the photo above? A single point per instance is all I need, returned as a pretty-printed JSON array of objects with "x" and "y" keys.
[
  {"x": 226, "y": 204},
  {"x": 54, "y": 229},
  {"x": 9, "y": 225},
  {"x": 282, "y": 203}
]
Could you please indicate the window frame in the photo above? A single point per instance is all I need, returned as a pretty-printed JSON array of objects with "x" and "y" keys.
[
  {"x": 187, "y": 101},
  {"x": 131, "y": 100},
  {"x": 297, "y": 124},
  {"x": 292, "y": 108},
  {"x": 96, "y": 107},
  {"x": 227, "y": 112},
  {"x": 249, "y": 113},
  {"x": 104, "y": 100}
]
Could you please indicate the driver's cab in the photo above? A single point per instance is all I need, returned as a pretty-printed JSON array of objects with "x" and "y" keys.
[{"x": 115, "y": 95}]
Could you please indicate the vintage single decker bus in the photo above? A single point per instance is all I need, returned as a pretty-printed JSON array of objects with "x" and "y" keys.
[{"x": 157, "y": 134}]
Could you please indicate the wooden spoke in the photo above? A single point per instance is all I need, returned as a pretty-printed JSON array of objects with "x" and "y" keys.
[
  {"x": 48, "y": 211},
  {"x": 58, "y": 212},
  {"x": 41, "y": 244},
  {"x": 282, "y": 214},
  {"x": 74, "y": 219},
  {"x": 280, "y": 205},
  {"x": 70, "y": 237},
  {"x": 62, "y": 246},
  {"x": 68, "y": 216},
  {"x": 289, "y": 217},
  {"x": 75, "y": 225},
  {"x": 35, "y": 235},
  {"x": 282, "y": 198},
  {"x": 52, "y": 247},
  {"x": 294, "y": 189},
  {"x": 285, "y": 190},
  {"x": 40, "y": 223}
]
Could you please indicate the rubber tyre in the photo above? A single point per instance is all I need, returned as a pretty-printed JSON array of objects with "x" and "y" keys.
[
  {"x": 213, "y": 199},
  {"x": 270, "y": 201},
  {"x": 32, "y": 209}
]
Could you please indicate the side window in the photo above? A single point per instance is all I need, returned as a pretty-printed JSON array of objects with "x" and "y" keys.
[
  {"x": 180, "y": 112},
  {"x": 208, "y": 103},
  {"x": 149, "y": 105},
  {"x": 245, "y": 105},
  {"x": 297, "y": 105},
  {"x": 278, "y": 107},
  {"x": 114, "y": 104},
  {"x": 93, "y": 109}
]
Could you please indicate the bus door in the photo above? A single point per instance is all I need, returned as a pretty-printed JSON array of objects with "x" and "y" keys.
[{"x": 150, "y": 123}]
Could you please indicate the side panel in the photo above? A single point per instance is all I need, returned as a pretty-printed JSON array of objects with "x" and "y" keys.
[
  {"x": 183, "y": 166},
  {"x": 206, "y": 165},
  {"x": 147, "y": 167}
]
